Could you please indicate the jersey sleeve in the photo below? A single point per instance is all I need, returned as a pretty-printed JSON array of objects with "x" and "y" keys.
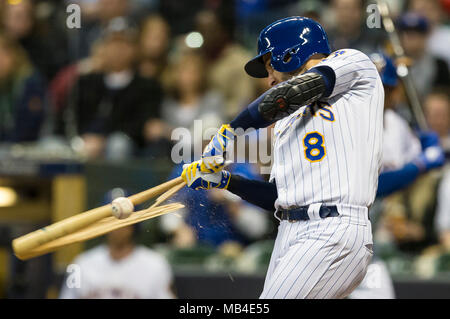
[{"x": 354, "y": 71}]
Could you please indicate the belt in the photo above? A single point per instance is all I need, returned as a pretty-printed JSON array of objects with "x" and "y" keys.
[{"x": 301, "y": 213}]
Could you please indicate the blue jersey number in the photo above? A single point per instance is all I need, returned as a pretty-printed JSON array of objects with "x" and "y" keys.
[{"x": 315, "y": 149}]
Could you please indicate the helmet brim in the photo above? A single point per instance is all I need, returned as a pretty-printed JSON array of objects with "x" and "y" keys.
[{"x": 255, "y": 67}]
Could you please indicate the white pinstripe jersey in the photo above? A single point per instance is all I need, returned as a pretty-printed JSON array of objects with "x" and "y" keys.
[{"x": 334, "y": 155}]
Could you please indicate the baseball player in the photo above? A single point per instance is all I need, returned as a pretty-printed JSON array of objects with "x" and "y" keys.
[{"x": 328, "y": 113}]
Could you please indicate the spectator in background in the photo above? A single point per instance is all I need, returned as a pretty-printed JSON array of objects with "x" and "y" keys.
[
  {"x": 437, "y": 113},
  {"x": 44, "y": 45},
  {"x": 121, "y": 270},
  {"x": 108, "y": 10},
  {"x": 141, "y": 8},
  {"x": 438, "y": 43},
  {"x": 89, "y": 8},
  {"x": 180, "y": 14},
  {"x": 137, "y": 8},
  {"x": 102, "y": 16},
  {"x": 154, "y": 45},
  {"x": 63, "y": 83},
  {"x": 426, "y": 70},
  {"x": 442, "y": 220},
  {"x": 224, "y": 60},
  {"x": 22, "y": 95},
  {"x": 311, "y": 9},
  {"x": 350, "y": 29},
  {"x": 189, "y": 97},
  {"x": 113, "y": 106}
]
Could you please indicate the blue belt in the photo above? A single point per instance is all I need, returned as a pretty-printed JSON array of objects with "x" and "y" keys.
[{"x": 301, "y": 213}]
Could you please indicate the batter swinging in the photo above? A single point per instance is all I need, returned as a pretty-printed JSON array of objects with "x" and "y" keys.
[{"x": 328, "y": 109}]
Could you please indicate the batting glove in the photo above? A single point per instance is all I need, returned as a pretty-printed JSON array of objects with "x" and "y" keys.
[
  {"x": 196, "y": 180},
  {"x": 213, "y": 158},
  {"x": 432, "y": 157}
]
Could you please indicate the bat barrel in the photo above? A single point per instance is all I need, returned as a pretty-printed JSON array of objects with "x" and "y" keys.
[{"x": 54, "y": 231}]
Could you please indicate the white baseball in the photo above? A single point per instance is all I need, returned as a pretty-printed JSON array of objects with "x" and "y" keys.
[{"x": 122, "y": 207}]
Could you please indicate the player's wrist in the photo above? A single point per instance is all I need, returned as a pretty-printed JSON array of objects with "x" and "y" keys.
[
  {"x": 225, "y": 181},
  {"x": 227, "y": 130},
  {"x": 226, "y": 136},
  {"x": 213, "y": 157}
]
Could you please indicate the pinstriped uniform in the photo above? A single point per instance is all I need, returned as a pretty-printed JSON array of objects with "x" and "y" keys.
[
  {"x": 328, "y": 153},
  {"x": 400, "y": 146}
]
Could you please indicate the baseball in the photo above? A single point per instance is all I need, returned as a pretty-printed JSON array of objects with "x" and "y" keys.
[{"x": 122, "y": 207}]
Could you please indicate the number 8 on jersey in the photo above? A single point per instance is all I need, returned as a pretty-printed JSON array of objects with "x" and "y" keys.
[{"x": 314, "y": 147}]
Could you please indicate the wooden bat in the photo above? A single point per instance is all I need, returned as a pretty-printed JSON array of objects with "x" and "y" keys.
[
  {"x": 27, "y": 243},
  {"x": 402, "y": 69},
  {"x": 175, "y": 189},
  {"x": 99, "y": 228},
  {"x": 168, "y": 194}
]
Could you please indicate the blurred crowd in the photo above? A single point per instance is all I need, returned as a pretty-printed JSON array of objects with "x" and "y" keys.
[{"x": 117, "y": 86}]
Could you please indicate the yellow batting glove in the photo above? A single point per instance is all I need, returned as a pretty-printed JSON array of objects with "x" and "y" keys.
[{"x": 196, "y": 180}]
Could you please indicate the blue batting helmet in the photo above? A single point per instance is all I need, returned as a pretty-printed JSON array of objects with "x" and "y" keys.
[
  {"x": 291, "y": 42},
  {"x": 386, "y": 68}
]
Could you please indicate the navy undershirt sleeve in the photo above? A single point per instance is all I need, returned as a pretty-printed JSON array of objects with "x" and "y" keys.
[
  {"x": 390, "y": 182},
  {"x": 259, "y": 193},
  {"x": 328, "y": 76},
  {"x": 251, "y": 118}
]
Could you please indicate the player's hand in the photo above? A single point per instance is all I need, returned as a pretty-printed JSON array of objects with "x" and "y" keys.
[
  {"x": 213, "y": 158},
  {"x": 432, "y": 154},
  {"x": 432, "y": 157},
  {"x": 196, "y": 180}
]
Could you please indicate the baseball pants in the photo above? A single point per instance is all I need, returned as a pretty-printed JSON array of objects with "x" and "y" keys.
[{"x": 320, "y": 258}]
